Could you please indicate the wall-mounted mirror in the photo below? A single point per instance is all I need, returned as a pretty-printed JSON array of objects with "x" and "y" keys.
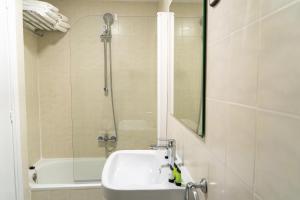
[{"x": 189, "y": 63}]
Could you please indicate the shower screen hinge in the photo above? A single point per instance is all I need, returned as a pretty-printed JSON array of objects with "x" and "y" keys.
[{"x": 11, "y": 117}]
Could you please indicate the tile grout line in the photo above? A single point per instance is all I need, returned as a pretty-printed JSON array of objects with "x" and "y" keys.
[
  {"x": 256, "y": 100},
  {"x": 232, "y": 33},
  {"x": 263, "y": 17},
  {"x": 259, "y": 18},
  {"x": 290, "y": 115}
]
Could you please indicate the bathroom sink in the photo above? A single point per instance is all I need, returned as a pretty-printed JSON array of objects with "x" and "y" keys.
[{"x": 137, "y": 174}]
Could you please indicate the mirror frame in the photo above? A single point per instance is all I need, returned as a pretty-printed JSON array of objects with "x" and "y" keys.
[{"x": 204, "y": 67}]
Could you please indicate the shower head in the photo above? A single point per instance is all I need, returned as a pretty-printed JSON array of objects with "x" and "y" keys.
[{"x": 108, "y": 19}]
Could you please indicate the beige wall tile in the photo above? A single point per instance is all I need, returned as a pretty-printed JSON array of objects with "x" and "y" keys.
[
  {"x": 241, "y": 13},
  {"x": 68, "y": 194},
  {"x": 216, "y": 177},
  {"x": 236, "y": 14},
  {"x": 267, "y": 6},
  {"x": 76, "y": 9},
  {"x": 279, "y": 67},
  {"x": 240, "y": 153},
  {"x": 243, "y": 65},
  {"x": 60, "y": 195},
  {"x": 79, "y": 194},
  {"x": 217, "y": 128},
  {"x": 257, "y": 197},
  {"x": 218, "y": 70},
  {"x": 40, "y": 195},
  {"x": 278, "y": 157},
  {"x": 95, "y": 194},
  {"x": 246, "y": 53},
  {"x": 186, "y": 10},
  {"x": 218, "y": 29},
  {"x": 198, "y": 164},
  {"x": 235, "y": 189},
  {"x": 55, "y": 101},
  {"x": 32, "y": 96}
]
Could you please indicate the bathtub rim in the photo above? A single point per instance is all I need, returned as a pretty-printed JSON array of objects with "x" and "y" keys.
[
  {"x": 61, "y": 186},
  {"x": 38, "y": 187}
]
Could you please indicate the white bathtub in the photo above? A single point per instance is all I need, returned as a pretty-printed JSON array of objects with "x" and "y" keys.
[{"x": 67, "y": 173}]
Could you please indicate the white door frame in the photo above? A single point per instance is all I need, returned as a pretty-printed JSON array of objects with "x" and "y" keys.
[{"x": 17, "y": 88}]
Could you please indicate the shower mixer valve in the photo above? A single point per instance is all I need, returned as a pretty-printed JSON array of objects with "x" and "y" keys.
[
  {"x": 106, "y": 138},
  {"x": 108, "y": 142}
]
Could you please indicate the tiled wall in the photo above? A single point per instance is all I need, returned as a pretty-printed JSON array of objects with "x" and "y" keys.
[
  {"x": 135, "y": 78},
  {"x": 252, "y": 146},
  {"x": 134, "y": 84},
  {"x": 68, "y": 194},
  {"x": 60, "y": 57},
  {"x": 32, "y": 96}
]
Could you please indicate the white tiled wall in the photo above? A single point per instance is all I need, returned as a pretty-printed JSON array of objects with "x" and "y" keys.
[
  {"x": 2, "y": 5},
  {"x": 252, "y": 149}
]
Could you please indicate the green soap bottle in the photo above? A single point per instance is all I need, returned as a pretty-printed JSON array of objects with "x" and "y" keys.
[
  {"x": 178, "y": 178},
  {"x": 172, "y": 174}
]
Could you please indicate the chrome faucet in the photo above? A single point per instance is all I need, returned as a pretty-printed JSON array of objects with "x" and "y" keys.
[{"x": 170, "y": 147}]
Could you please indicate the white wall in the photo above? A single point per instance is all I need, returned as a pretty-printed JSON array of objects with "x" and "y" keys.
[
  {"x": 7, "y": 181},
  {"x": 11, "y": 109}
]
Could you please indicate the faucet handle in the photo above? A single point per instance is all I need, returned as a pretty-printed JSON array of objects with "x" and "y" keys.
[
  {"x": 155, "y": 146},
  {"x": 170, "y": 142}
]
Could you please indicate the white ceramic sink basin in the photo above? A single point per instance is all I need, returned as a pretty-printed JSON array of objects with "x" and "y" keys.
[{"x": 137, "y": 175}]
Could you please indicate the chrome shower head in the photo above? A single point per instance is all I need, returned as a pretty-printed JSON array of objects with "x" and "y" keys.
[{"x": 108, "y": 19}]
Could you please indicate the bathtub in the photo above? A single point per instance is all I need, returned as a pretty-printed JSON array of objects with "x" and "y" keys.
[{"x": 67, "y": 174}]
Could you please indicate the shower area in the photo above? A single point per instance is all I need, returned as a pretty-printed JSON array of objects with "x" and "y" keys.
[
  {"x": 89, "y": 92},
  {"x": 113, "y": 87}
]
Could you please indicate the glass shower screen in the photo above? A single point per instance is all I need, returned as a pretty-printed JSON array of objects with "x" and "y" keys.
[{"x": 133, "y": 52}]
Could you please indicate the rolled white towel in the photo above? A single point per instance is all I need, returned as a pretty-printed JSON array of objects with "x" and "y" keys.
[
  {"x": 62, "y": 29},
  {"x": 40, "y": 11},
  {"x": 41, "y": 3},
  {"x": 63, "y": 24},
  {"x": 53, "y": 15},
  {"x": 63, "y": 18},
  {"x": 35, "y": 20},
  {"x": 44, "y": 16},
  {"x": 29, "y": 26}
]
